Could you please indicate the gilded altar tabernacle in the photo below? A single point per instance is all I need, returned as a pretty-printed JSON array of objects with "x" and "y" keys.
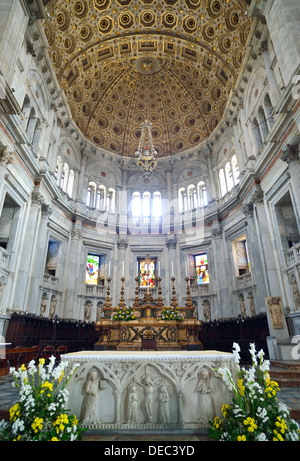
[{"x": 148, "y": 331}]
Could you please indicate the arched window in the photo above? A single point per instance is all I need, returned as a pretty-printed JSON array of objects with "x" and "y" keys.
[
  {"x": 90, "y": 201},
  {"x": 257, "y": 134},
  {"x": 58, "y": 169},
  {"x": 110, "y": 203},
  {"x": 192, "y": 197},
  {"x": 157, "y": 204},
  {"x": 146, "y": 204},
  {"x": 235, "y": 170},
  {"x": 65, "y": 177},
  {"x": 71, "y": 183},
  {"x": 136, "y": 204},
  {"x": 229, "y": 178},
  {"x": 182, "y": 205},
  {"x": 100, "y": 200},
  {"x": 263, "y": 123},
  {"x": 222, "y": 182},
  {"x": 268, "y": 111},
  {"x": 202, "y": 193}
]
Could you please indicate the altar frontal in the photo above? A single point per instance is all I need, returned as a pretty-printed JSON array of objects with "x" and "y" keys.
[{"x": 148, "y": 391}]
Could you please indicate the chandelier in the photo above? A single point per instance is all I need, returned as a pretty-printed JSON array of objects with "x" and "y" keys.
[{"x": 146, "y": 152}]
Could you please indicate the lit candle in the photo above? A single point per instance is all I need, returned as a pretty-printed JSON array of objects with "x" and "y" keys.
[
  {"x": 159, "y": 268},
  {"x": 137, "y": 269},
  {"x": 109, "y": 269},
  {"x": 172, "y": 269},
  {"x": 123, "y": 269},
  {"x": 186, "y": 274}
]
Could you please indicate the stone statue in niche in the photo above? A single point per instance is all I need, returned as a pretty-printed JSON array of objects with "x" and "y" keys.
[
  {"x": 163, "y": 407},
  {"x": 295, "y": 291},
  {"x": 251, "y": 304},
  {"x": 275, "y": 308},
  {"x": 242, "y": 306},
  {"x": 53, "y": 305},
  {"x": 87, "y": 311},
  {"x": 204, "y": 388},
  {"x": 206, "y": 311},
  {"x": 43, "y": 305},
  {"x": 132, "y": 405},
  {"x": 90, "y": 390}
]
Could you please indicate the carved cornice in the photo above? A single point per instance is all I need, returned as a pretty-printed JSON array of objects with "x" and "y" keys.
[
  {"x": 6, "y": 156},
  {"x": 290, "y": 154}
]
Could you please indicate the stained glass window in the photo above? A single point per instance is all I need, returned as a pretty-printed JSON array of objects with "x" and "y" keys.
[
  {"x": 202, "y": 273},
  {"x": 147, "y": 272},
  {"x": 92, "y": 269}
]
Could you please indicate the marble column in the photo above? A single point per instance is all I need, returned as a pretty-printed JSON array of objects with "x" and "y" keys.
[
  {"x": 257, "y": 267},
  {"x": 38, "y": 266},
  {"x": 121, "y": 269},
  {"x": 273, "y": 87},
  {"x": 73, "y": 281},
  {"x": 224, "y": 308},
  {"x": 291, "y": 155},
  {"x": 27, "y": 248}
]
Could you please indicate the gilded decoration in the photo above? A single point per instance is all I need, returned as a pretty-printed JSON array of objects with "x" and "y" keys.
[{"x": 176, "y": 59}]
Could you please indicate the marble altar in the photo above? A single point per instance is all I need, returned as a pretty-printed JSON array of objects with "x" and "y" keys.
[{"x": 148, "y": 390}]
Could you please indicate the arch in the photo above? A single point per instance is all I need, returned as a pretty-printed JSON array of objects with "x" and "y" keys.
[
  {"x": 202, "y": 193},
  {"x": 263, "y": 123}
]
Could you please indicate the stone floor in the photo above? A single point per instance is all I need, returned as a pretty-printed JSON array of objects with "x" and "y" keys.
[{"x": 9, "y": 396}]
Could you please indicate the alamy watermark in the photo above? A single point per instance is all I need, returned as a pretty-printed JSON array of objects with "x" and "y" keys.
[{"x": 296, "y": 348}]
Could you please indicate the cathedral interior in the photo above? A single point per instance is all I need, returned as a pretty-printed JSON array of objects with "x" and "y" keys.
[{"x": 152, "y": 148}]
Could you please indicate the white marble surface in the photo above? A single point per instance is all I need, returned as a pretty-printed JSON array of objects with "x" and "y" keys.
[{"x": 144, "y": 391}]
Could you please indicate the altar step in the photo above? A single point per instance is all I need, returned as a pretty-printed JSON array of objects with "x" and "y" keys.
[{"x": 286, "y": 374}]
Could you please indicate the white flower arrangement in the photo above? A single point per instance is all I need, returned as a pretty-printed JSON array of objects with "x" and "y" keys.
[
  {"x": 40, "y": 414},
  {"x": 254, "y": 414}
]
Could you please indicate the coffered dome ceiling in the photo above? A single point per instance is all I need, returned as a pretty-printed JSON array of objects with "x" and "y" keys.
[{"x": 171, "y": 61}]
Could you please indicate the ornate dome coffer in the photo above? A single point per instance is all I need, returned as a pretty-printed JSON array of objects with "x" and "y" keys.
[{"x": 139, "y": 60}]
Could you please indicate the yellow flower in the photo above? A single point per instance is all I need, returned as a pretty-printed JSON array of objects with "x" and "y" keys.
[
  {"x": 241, "y": 387},
  {"x": 224, "y": 409},
  {"x": 241, "y": 438},
  {"x": 14, "y": 412},
  {"x": 37, "y": 424},
  {"x": 23, "y": 367},
  {"x": 54, "y": 439}
]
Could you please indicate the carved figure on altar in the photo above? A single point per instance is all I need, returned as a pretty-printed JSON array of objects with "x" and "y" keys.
[
  {"x": 91, "y": 388},
  {"x": 148, "y": 386},
  {"x": 163, "y": 408},
  {"x": 204, "y": 388},
  {"x": 132, "y": 405}
]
